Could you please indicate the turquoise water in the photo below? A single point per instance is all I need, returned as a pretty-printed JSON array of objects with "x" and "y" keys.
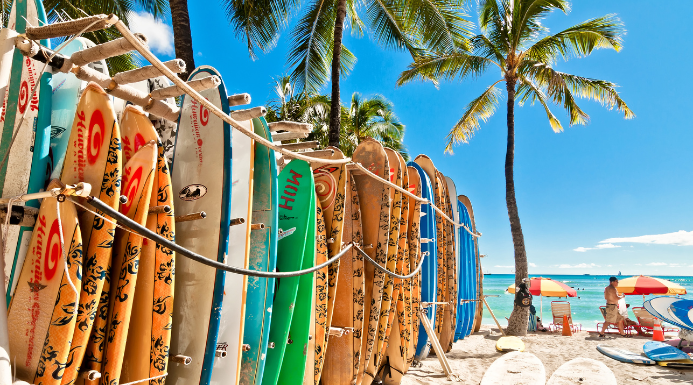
[{"x": 585, "y": 307}]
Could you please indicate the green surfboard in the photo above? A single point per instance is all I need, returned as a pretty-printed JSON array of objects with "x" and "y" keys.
[{"x": 296, "y": 236}]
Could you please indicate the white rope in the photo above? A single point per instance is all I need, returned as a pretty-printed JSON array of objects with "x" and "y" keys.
[
  {"x": 64, "y": 255},
  {"x": 146, "y": 379}
]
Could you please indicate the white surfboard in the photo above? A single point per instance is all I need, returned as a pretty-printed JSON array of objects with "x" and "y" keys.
[
  {"x": 515, "y": 368},
  {"x": 226, "y": 370},
  {"x": 584, "y": 371}
]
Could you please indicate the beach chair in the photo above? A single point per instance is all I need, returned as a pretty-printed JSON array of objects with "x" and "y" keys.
[
  {"x": 558, "y": 310},
  {"x": 612, "y": 327},
  {"x": 646, "y": 320}
]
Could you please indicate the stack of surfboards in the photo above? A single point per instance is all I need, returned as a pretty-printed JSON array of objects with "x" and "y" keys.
[{"x": 93, "y": 302}]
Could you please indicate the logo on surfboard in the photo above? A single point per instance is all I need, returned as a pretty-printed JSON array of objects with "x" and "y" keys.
[
  {"x": 284, "y": 234},
  {"x": 192, "y": 192}
]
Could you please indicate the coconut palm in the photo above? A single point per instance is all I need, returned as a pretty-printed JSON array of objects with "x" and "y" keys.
[
  {"x": 182, "y": 36},
  {"x": 374, "y": 118},
  {"x": 60, "y": 10},
  {"x": 317, "y": 54},
  {"x": 514, "y": 42}
]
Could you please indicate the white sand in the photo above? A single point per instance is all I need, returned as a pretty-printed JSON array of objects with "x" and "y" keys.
[{"x": 471, "y": 357}]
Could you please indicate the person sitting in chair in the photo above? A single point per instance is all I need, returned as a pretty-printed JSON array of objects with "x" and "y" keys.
[{"x": 612, "y": 315}]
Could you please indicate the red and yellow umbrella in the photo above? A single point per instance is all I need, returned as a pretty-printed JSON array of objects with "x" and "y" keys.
[
  {"x": 644, "y": 285},
  {"x": 546, "y": 287}
]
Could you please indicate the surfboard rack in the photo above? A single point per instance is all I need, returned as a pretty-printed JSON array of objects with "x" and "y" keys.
[
  {"x": 248, "y": 114},
  {"x": 237, "y": 221},
  {"x": 164, "y": 209},
  {"x": 181, "y": 359},
  {"x": 198, "y": 85},
  {"x": 281, "y": 136},
  {"x": 437, "y": 348},
  {"x": 85, "y": 24},
  {"x": 148, "y": 72},
  {"x": 20, "y": 215},
  {"x": 287, "y": 126},
  {"x": 257, "y": 226},
  {"x": 191, "y": 217},
  {"x": 338, "y": 332},
  {"x": 220, "y": 353},
  {"x": 90, "y": 375},
  {"x": 239, "y": 100}
]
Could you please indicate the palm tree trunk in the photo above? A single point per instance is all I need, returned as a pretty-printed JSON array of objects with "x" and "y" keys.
[
  {"x": 517, "y": 324},
  {"x": 336, "y": 111},
  {"x": 182, "y": 36}
]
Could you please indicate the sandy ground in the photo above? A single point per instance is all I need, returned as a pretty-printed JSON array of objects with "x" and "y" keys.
[{"x": 471, "y": 357}]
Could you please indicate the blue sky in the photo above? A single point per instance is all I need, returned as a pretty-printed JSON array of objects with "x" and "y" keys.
[{"x": 612, "y": 195}]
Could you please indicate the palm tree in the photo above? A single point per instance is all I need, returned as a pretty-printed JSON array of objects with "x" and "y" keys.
[
  {"x": 182, "y": 36},
  {"x": 514, "y": 41},
  {"x": 374, "y": 118},
  {"x": 317, "y": 53},
  {"x": 59, "y": 10}
]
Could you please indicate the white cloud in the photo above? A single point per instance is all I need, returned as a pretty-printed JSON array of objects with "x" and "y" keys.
[
  {"x": 679, "y": 238},
  {"x": 159, "y": 34},
  {"x": 603, "y": 246},
  {"x": 657, "y": 264},
  {"x": 508, "y": 267},
  {"x": 578, "y": 266},
  {"x": 199, "y": 54},
  {"x": 532, "y": 264}
]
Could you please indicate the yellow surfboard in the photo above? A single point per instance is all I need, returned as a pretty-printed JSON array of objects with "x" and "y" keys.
[
  {"x": 414, "y": 233},
  {"x": 150, "y": 331},
  {"x": 42, "y": 314},
  {"x": 138, "y": 178},
  {"x": 98, "y": 163}
]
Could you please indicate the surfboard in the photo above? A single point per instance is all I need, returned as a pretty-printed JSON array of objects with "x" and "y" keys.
[
  {"x": 510, "y": 344},
  {"x": 138, "y": 179},
  {"x": 230, "y": 340},
  {"x": 100, "y": 164},
  {"x": 398, "y": 335},
  {"x": 374, "y": 201},
  {"x": 41, "y": 317},
  {"x": 466, "y": 308},
  {"x": 450, "y": 321},
  {"x": 166, "y": 129},
  {"x": 463, "y": 282},
  {"x": 22, "y": 174},
  {"x": 429, "y": 270},
  {"x": 343, "y": 353},
  {"x": 201, "y": 182},
  {"x": 682, "y": 311},
  {"x": 583, "y": 371},
  {"x": 296, "y": 240},
  {"x": 476, "y": 274},
  {"x": 515, "y": 368},
  {"x": 318, "y": 322},
  {"x": 414, "y": 245},
  {"x": 659, "y": 351},
  {"x": 389, "y": 295},
  {"x": 659, "y": 307},
  {"x": 263, "y": 257},
  {"x": 330, "y": 185},
  {"x": 146, "y": 351},
  {"x": 623, "y": 355}
]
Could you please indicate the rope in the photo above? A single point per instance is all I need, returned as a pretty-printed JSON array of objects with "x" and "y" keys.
[
  {"x": 145, "y": 380},
  {"x": 146, "y": 233},
  {"x": 388, "y": 272},
  {"x": 64, "y": 255}
]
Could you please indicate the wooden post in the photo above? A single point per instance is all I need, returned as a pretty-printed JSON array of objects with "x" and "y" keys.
[{"x": 493, "y": 315}]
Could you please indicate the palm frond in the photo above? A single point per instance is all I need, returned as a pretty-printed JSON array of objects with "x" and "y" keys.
[
  {"x": 441, "y": 25},
  {"x": 445, "y": 66},
  {"x": 561, "y": 87},
  {"x": 312, "y": 39},
  {"x": 388, "y": 25},
  {"x": 528, "y": 90},
  {"x": 579, "y": 40},
  {"x": 480, "y": 109},
  {"x": 494, "y": 21},
  {"x": 527, "y": 16},
  {"x": 258, "y": 22},
  {"x": 353, "y": 19}
]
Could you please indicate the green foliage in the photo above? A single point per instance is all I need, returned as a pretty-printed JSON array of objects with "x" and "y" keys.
[
  {"x": 514, "y": 41},
  {"x": 365, "y": 117}
]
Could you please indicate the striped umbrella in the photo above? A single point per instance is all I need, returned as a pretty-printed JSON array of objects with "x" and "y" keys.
[
  {"x": 645, "y": 285},
  {"x": 546, "y": 287}
]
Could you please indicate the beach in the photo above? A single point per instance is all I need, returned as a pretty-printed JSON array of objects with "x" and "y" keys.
[{"x": 471, "y": 357}]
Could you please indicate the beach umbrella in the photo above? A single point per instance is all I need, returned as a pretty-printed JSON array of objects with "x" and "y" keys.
[
  {"x": 546, "y": 287},
  {"x": 645, "y": 285}
]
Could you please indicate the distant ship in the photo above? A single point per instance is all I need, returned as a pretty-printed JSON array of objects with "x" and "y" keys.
[{"x": 619, "y": 272}]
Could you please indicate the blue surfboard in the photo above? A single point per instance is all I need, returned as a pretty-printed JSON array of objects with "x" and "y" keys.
[
  {"x": 659, "y": 307},
  {"x": 659, "y": 351},
  {"x": 263, "y": 257},
  {"x": 624, "y": 355},
  {"x": 682, "y": 310},
  {"x": 467, "y": 276},
  {"x": 429, "y": 270}
]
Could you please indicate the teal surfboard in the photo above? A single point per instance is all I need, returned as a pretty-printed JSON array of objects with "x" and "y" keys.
[
  {"x": 22, "y": 174},
  {"x": 296, "y": 235},
  {"x": 263, "y": 257}
]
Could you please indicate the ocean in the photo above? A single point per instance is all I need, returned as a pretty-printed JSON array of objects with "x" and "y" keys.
[{"x": 585, "y": 307}]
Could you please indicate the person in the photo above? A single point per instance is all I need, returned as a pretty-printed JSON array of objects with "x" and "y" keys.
[{"x": 612, "y": 315}]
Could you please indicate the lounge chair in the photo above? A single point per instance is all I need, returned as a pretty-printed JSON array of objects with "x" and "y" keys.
[
  {"x": 558, "y": 310},
  {"x": 612, "y": 327},
  {"x": 646, "y": 320}
]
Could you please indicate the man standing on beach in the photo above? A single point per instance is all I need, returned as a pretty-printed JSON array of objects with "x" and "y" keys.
[{"x": 612, "y": 315}]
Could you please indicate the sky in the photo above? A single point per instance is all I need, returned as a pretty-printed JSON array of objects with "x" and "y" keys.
[{"x": 614, "y": 195}]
